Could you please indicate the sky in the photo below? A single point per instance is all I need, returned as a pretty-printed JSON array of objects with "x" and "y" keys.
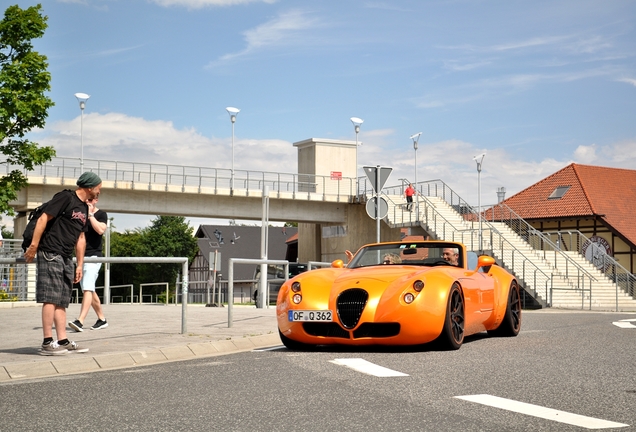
[{"x": 536, "y": 85}]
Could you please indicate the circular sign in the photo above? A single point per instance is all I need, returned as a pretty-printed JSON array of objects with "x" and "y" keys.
[
  {"x": 595, "y": 249},
  {"x": 383, "y": 209}
]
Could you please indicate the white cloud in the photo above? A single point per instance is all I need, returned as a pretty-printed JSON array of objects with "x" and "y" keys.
[
  {"x": 529, "y": 43},
  {"x": 115, "y": 51},
  {"x": 621, "y": 154},
  {"x": 458, "y": 66},
  {"x": 198, "y": 4},
  {"x": 115, "y": 136},
  {"x": 585, "y": 154},
  {"x": 631, "y": 81},
  {"x": 281, "y": 31}
]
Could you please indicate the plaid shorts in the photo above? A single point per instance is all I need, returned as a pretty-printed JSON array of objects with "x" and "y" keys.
[{"x": 55, "y": 279}]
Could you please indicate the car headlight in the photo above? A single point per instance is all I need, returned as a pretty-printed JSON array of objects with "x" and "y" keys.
[
  {"x": 297, "y": 298},
  {"x": 408, "y": 298},
  {"x": 418, "y": 285},
  {"x": 295, "y": 287}
]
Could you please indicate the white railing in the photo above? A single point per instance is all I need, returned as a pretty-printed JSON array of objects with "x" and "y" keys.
[{"x": 149, "y": 176}]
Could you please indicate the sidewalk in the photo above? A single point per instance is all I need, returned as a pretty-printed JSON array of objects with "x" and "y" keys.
[{"x": 136, "y": 335}]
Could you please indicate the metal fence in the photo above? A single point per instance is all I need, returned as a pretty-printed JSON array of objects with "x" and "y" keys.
[
  {"x": 13, "y": 277},
  {"x": 19, "y": 261}
]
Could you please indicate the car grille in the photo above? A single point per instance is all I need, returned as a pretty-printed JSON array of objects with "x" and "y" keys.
[
  {"x": 377, "y": 330},
  {"x": 350, "y": 304},
  {"x": 331, "y": 329}
]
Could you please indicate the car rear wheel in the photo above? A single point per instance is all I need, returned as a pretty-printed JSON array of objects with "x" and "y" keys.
[
  {"x": 511, "y": 323},
  {"x": 452, "y": 335},
  {"x": 292, "y": 344}
]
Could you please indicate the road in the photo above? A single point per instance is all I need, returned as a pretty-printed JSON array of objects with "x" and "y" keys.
[{"x": 579, "y": 364}]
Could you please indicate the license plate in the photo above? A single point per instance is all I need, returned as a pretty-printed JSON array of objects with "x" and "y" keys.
[{"x": 311, "y": 316}]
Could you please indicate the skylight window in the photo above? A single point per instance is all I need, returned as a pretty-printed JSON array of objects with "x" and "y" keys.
[{"x": 559, "y": 192}]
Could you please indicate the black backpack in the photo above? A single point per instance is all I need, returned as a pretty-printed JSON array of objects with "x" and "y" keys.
[{"x": 27, "y": 235}]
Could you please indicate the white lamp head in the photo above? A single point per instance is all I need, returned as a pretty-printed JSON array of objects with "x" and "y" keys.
[
  {"x": 82, "y": 98},
  {"x": 232, "y": 112},
  {"x": 356, "y": 123},
  {"x": 479, "y": 159},
  {"x": 416, "y": 138}
]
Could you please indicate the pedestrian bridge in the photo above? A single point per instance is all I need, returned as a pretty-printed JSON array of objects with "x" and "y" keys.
[{"x": 158, "y": 189}]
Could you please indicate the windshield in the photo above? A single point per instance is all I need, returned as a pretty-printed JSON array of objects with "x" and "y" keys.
[{"x": 422, "y": 254}]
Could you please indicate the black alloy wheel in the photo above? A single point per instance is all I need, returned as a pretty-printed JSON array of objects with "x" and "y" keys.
[
  {"x": 452, "y": 335},
  {"x": 511, "y": 323}
]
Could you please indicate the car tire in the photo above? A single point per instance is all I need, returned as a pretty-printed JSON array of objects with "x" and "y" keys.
[
  {"x": 292, "y": 344},
  {"x": 511, "y": 323},
  {"x": 452, "y": 335}
]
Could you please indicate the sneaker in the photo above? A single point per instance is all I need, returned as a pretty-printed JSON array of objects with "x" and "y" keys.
[
  {"x": 99, "y": 325},
  {"x": 76, "y": 325},
  {"x": 52, "y": 349},
  {"x": 72, "y": 346}
]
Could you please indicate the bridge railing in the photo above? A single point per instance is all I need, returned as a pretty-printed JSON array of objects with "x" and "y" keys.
[{"x": 151, "y": 176}]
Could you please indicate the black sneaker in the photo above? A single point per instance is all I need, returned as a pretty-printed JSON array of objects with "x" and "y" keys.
[
  {"x": 76, "y": 325},
  {"x": 99, "y": 325}
]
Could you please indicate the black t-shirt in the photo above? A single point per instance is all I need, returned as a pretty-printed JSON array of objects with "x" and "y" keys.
[
  {"x": 72, "y": 214},
  {"x": 94, "y": 240}
]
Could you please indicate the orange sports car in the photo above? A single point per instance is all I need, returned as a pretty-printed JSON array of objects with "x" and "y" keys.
[{"x": 400, "y": 293}]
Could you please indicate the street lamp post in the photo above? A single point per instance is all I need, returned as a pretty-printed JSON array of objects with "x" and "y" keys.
[
  {"x": 356, "y": 124},
  {"x": 82, "y": 98},
  {"x": 479, "y": 159},
  {"x": 233, "y": 112},
  {"x": 416, "y": 138}
]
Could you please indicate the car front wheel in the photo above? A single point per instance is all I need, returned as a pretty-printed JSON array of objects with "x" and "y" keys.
[{"x": 452, "y": 335}]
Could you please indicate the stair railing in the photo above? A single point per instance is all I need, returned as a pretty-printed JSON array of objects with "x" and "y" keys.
[
  {"x": 529, "y": 274},
  {"x": 576, "y": 241},
  {"x": 536, "y": 239}
]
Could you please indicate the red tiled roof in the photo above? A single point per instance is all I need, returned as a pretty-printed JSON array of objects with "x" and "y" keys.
[{"x": 609, "y": 193}]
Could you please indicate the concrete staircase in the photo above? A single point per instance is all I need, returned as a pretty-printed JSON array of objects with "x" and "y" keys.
[{"x": 557, "y": 279}]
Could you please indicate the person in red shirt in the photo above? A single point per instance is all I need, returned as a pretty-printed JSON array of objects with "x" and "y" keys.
[{"x": 409, "y": 192}]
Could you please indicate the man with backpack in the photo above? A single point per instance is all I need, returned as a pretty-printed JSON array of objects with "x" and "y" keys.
[{"x": 58, "y": 231}]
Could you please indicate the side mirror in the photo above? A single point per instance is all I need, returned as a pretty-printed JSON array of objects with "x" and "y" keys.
[
  {"x": 337, "y": 264},
  {"x": 486, "y": 262}
]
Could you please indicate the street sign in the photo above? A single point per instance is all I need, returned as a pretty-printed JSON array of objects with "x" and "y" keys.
[
  {"x": 371, "y": 174},
  {"x": 383, "y": 209}
]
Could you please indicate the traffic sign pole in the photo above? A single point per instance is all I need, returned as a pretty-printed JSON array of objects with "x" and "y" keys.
[
  {"x": 378, "y": 187},
  {"x": 377, "y": 176}
]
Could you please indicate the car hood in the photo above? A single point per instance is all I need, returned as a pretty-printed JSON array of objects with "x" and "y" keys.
[{"x": 387, "y": 274}]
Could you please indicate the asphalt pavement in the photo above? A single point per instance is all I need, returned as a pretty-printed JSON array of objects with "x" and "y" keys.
[{"x": 136, "y": 335}]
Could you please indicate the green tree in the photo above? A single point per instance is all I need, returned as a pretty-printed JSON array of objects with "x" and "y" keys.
[
  {"x": 168, "y": 236},
  {"x": 126, "y": 244},
  {"x": 24, "y": 79},
  {"x": 5, "y": 232}
]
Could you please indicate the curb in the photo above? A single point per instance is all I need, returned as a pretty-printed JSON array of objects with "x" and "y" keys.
[{"x": 72, "y": 364}]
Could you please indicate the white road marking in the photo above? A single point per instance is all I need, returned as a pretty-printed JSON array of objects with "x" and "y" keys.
[
  {"x": 626, "y": 323},
  {"x": 274, "y": 348},
  {"x": 542, "y": 412},
  {"x": 366, "y": 367}
]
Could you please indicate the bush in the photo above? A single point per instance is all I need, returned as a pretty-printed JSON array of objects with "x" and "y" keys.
[{"x": 4, "y": 296}]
